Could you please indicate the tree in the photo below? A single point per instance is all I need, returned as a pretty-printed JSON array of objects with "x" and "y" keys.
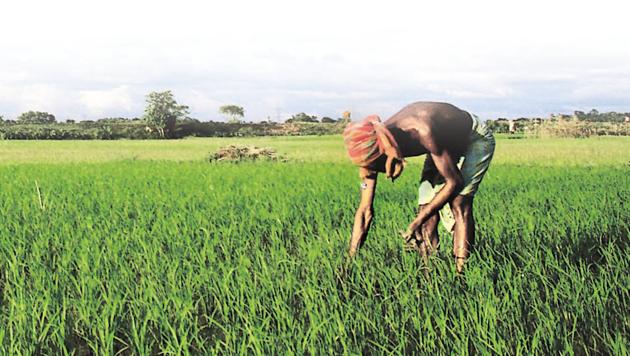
[
  {"x": 162, "y": 112},
  {"x": 234, "y": 113},
  {"x": 580, "y": 115},
  {"x": 593, "y": 115},
  {"x": 302, "y": 117},
  {"x": 36, "y": 117},
  {"x": 328, "y": 120}
]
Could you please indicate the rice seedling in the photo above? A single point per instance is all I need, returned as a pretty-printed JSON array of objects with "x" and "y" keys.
[{"x": 181, "y": 256}]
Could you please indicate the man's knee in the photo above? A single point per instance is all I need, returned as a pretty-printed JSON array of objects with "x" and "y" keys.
[{"x": 462, "y": 207}]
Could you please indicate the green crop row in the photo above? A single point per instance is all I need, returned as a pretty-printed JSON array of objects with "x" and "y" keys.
[
  {"x": 595, "y": 151},
  {"x": 149, "y": 257}
]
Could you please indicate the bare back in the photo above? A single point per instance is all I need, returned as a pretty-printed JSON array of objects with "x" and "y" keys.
[{"x": 448, "y": 125}]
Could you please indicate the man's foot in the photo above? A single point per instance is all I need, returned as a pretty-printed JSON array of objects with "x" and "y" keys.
[{"x": 459, "y": 264}]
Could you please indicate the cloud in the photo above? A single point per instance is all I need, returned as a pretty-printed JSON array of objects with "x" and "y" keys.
[
  {"x": 118, "y": 101},
  {"x": 279, "y": 57},
  {"x": 201, "y": 104},
  {"x": 15, "y": 99}
]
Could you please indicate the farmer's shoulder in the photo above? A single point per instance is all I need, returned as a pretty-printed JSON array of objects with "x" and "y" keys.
[
  {"x": 424, "y": 113},
  {"x": 424, "y": 121},
  {"x": 420, "y": 116}
]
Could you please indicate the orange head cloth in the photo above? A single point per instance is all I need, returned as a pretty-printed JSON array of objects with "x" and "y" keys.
[{"x": 368, "y": 139}]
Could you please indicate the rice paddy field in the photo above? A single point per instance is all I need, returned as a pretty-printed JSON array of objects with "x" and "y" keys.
[{"x": 143, "y": 247}]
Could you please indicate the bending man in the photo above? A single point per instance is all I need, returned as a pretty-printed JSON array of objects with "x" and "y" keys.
[{"x": 459, "y": 150}]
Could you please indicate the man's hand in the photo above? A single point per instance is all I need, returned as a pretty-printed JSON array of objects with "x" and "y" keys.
[
  {"x": 446, "y": 165},
  {"x": 416, "y": 223},
  {"x": 411, "y": 242},
  {"x": 453, "y": 181}
]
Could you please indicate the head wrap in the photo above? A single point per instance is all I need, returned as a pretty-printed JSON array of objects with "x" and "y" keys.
[{"x": 368, "y": 139}]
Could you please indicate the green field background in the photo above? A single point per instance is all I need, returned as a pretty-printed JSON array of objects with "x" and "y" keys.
[
  {"x": 143, "y": 247},
  {"x": 595, "y": 151}
]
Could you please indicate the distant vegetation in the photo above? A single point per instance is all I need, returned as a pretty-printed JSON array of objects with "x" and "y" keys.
[
  {"x": 164, "y": 117},
  {"x": 162, "y": 113},
  {"x": 36, "y": 117},
  {"x": 123, "y": 128},
  {"x": 234, "y": 113},
  {"x": 579, "y": 124}
]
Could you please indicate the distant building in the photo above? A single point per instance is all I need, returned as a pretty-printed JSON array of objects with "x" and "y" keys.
[{"x": 345, "y": 117}]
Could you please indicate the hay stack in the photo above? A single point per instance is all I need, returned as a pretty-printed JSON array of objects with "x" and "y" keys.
[{"x": 240, "y": 153}]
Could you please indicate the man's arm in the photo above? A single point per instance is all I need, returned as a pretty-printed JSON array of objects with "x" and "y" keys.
[
  {"x": 453, "y": 180},
  {"x": 364, "y": 214}
]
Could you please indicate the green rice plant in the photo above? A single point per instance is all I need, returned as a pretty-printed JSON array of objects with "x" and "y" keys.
[{"x": 182, "y": 256}]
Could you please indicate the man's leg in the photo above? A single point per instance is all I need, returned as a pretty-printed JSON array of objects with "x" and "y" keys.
[
  {"x": 464, "y": 230},
  {"x": 476, "y": 162},
  {"x": 426, "y": 235}
]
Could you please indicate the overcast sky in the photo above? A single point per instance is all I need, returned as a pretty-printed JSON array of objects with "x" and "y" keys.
[{"x": 87, "y": 59}]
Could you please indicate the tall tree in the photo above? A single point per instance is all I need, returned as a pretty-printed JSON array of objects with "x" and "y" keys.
[
  {"x": 36, "y": 117},
  {"x": 234, "y": 112},
  {"x": 162, "y": 112}
]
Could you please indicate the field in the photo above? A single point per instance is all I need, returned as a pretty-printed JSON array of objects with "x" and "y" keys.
[{"x": 142, "y": 247}]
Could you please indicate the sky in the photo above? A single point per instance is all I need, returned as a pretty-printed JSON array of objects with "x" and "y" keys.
[{"x": 92, "y": 59}]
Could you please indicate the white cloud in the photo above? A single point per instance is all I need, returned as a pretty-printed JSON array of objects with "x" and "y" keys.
[
  {"x": 201, "y": 104},
  {"x": 99, "y": 103},
  {"x": 37, "y": 97},
  {"x": 276, "y": 57}
]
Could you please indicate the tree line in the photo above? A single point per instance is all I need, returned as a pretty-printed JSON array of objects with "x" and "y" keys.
[
  {"x": 164, "y": 117},
  {"x": 578, "y": 124}
]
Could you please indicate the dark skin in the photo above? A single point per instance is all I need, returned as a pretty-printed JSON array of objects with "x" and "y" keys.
[{"x": 442, "y": 131}]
